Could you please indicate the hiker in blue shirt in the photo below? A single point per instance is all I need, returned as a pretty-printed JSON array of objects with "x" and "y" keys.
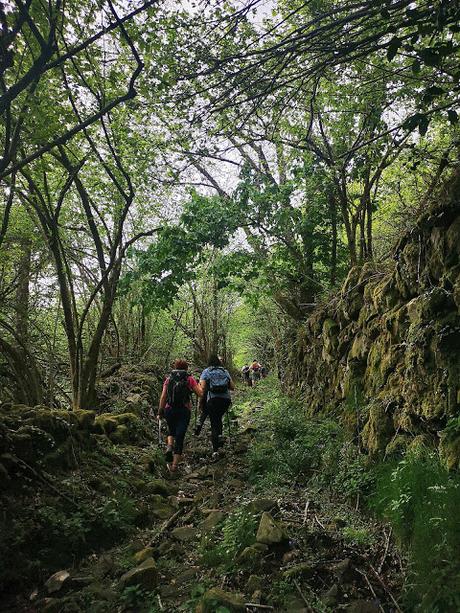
[{"x": 216, "y": 383}]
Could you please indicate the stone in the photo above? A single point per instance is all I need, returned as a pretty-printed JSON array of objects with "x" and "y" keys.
[
  {"x": 343, "y": 570},
  {"x": 236, "y": 484},
  {"x": 270, "y": 531},
  {"x": 216, "y": 597},
  {"x": 158, "y": 486},
  {"x": 262, "y": 504},
  {"x": 212, "y": 521},
  {"x": 250, "y": 556},
  {"x": 159, "y": 507},
  {"x": 121, "y": 436},
  {"x": 145, "y": 575},
  {"x": 329, "y": 598},
  {"x": 449, "y": 451},
  {"x": 304, "y": 570},
  {"x": 56, "y": 581},
  {"x": 143, "y": 554},
  {"x": 184, "y": 534},
  {"x": 186, "y": 575},
  {"x": 254, "y": 583},
  {"x": 84, "y": 418}
]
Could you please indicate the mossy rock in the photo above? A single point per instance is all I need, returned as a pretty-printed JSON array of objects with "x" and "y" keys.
[
  {"x": 397, "y": 446},
  {"x": 304, "y": 570},
  {"x": 145, "y": 575},
  {"x": 250, "y": 557},
  {"x": 143, "y": 554},
  {"x": 31, "y": 443},
  {"x": 121, "y": 436},
  {"x": 85, "y": 419},
  {"x": 158, "y": 486},
  {"x": 449, "y": 451},
  {"x": 216, "y": 597},
  {"x": 270, "y": 531},
  {"x": 105, "y": 424},
  {"x": 378, "y": 429}
]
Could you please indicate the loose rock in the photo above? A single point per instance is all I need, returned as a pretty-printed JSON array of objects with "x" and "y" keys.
[{"x": 270, "y": 531}]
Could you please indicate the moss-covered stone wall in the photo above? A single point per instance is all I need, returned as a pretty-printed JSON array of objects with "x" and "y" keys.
[{"x": 385, "y": 352}]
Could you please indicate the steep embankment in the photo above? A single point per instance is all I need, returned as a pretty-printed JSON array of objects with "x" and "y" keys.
[{"x": 386, "y": 350}]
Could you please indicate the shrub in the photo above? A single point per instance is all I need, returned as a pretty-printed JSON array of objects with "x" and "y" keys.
[{"x": 421, "y": 500}]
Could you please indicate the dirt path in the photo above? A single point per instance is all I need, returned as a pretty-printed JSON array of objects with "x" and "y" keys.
[{"x": 225, "y": 544}]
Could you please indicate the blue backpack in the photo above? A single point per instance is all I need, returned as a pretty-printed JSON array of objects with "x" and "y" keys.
[{"x": 218, "y": 380}]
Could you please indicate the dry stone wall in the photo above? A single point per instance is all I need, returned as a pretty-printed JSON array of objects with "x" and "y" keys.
[{"x": 385, "y": 352}]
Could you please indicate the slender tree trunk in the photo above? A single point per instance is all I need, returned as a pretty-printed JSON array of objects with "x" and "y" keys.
[{"x": 333, "y": 216}]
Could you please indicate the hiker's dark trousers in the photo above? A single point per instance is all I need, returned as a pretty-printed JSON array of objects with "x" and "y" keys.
[
  {"x": 178, "y": 420},
  {"x": 216, "y": 408}
]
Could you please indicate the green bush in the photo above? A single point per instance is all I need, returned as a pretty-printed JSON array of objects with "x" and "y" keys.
[{"x": 421, "y": 500}]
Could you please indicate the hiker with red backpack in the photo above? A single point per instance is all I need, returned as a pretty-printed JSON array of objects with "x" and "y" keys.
[
  {"x": 176, "y": 407},
  {"x": 216, "y": 383}
]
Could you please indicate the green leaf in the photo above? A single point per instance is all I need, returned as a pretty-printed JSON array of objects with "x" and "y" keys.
[
  {"x": 393, "y": 47},
  {"x": 423, "y": 125},
  {"x": 416, "y": 67},
  {"x": 429, "y": 56},
  {"x": 412, "y": 122},
  {"x": 452, "y": 116}
]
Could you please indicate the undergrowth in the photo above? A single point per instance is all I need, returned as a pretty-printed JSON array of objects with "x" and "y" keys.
[
  {"x": 421, "y": 500},
  {"x": 416, "y": 495},
  {"x": 238, "y": 531}
]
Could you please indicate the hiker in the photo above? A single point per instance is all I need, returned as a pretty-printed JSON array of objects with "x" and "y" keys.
[
  {"x": 245, "y": 372},
  {"x": 255, "y": 369},
  {"x": 175, "y": 406},
  {"x": 216, "y": 383}
]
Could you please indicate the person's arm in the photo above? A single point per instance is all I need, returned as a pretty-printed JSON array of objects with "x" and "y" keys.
[
  {"x": 196, "y": 389},
  {"x": 203, "y": 387},
  {"x": 231, "y": 385}
]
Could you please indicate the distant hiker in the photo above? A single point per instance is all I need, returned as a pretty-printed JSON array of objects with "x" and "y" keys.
[
  {"x": 216, "y": 384},
  {"x": 256, "y": 371},
  {"x": 175, "y": 406},
  {"x": 245, "y": 372}
]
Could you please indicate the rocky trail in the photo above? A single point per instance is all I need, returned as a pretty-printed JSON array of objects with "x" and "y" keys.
[{"x": 221, "y": 543}]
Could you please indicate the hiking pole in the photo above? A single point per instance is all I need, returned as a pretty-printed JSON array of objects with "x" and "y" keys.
[
  {"x": 229, "y": 429},
  {"x": 159, "y": 431}
]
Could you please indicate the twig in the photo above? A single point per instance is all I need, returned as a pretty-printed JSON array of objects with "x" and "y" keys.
[
  {"x": 305, "y": 513},
  {"x": 259, "y": 606},
  {"x": 160, "y": 604},
  {"x": 371, "y": 589},
  {"x": 322, "y": 526},
  {"x": 382, "y": 561},
  {"x": 385, "y": 587},
  {"x": 167, "y": 524},
  {"x": 302, "y": 595}
]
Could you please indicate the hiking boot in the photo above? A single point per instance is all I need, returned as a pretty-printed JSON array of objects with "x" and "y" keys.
[
  {"x": 169, "y": 454},
  {"x": 217, "y": 455}
]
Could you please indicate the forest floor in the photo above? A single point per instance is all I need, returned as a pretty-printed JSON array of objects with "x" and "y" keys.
[{"x": 231, "y": 541}]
